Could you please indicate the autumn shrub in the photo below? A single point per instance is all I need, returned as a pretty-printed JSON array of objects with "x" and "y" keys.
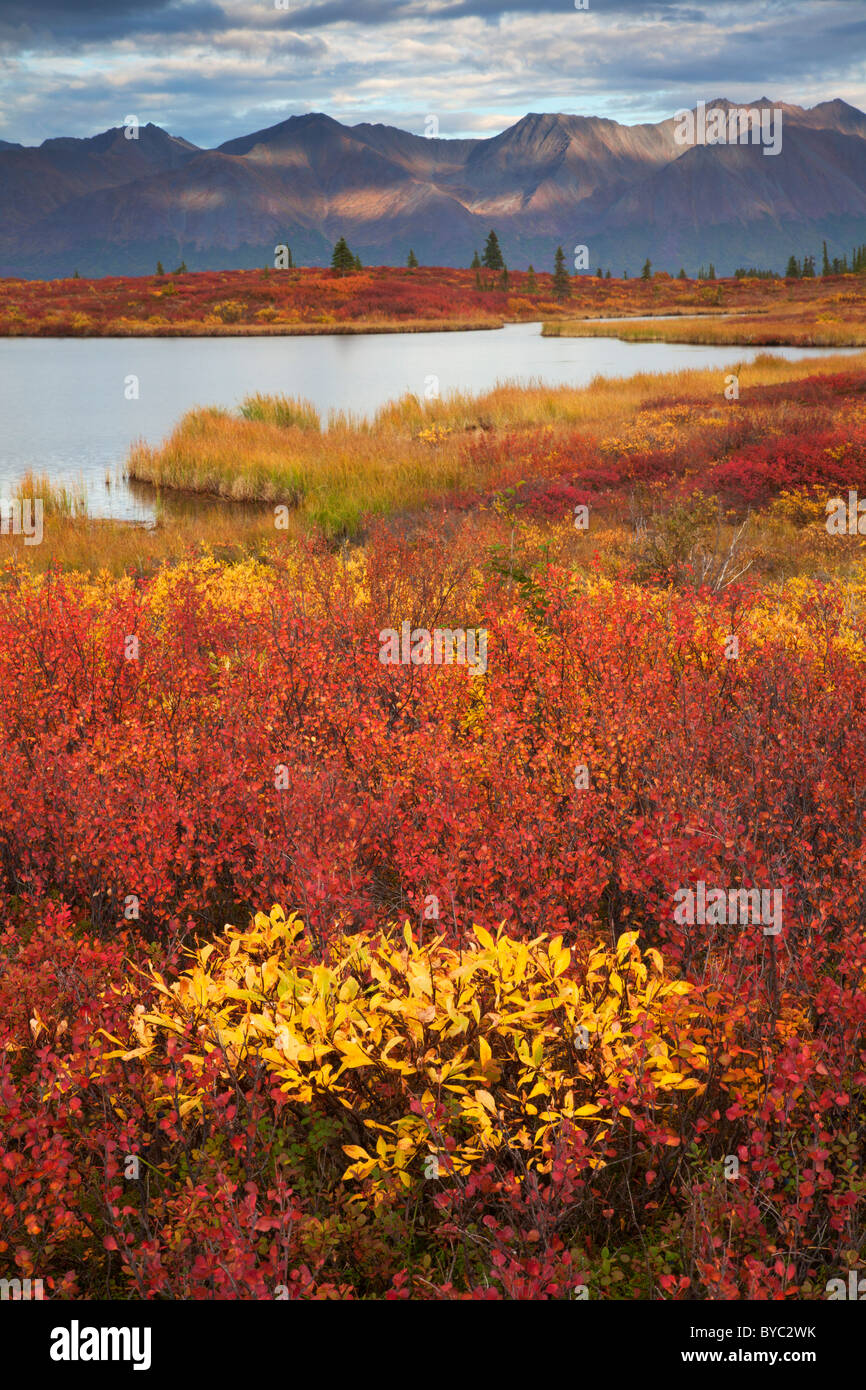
[
  {"x": 814, "y": 310},
  {"x": 228, "y": 310},
  {"x": 685, "y": 544},
  {"x": 184, "y": 749},
  {"x": 426, "y": 1050},
  {"x": 834, "y": 459}
]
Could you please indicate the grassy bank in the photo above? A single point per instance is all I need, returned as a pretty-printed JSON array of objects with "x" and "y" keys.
[
  {"x": 276, "y": 330},
  {"x": 630, "y": 447},
  {"x": 412, "y": 452},
  {"x": 793, "y": 330},
  {"x": 388, "y": 299}
]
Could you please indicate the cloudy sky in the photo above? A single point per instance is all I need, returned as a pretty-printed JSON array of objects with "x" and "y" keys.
[{"x": 213, "y": 69}]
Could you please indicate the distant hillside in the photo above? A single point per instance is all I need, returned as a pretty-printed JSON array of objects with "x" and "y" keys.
[{"x": 110, "y": 205}]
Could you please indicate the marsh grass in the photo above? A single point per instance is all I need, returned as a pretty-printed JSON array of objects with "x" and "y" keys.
[
  {"x": 412, "y": 452},
  {"x": 764, "y": 330},
  {"x": 413, "y": 459},
  {"x": 56, "y": 498},
  {"x": 286, "y": 412},
  {"x": 118, "y": 547}
]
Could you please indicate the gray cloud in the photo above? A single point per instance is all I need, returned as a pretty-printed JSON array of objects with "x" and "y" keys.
[
  {"x": 25, "y": 26},
  {"x": 211, "y": 71}
]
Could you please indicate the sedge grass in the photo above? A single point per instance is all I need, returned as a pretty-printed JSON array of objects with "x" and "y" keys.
[
  {"x": 57, "y": 499},
  {"x": 412, "y": 452},
  {"x": 744, "y": 331}
]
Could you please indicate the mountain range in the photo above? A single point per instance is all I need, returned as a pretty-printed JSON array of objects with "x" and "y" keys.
[{"x": 112, "y": 205}]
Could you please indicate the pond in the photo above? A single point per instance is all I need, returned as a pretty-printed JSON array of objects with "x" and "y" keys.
[{"x": 64, "y": 410}]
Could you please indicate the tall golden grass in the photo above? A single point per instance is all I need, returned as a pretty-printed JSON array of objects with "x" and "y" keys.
[
  {"x": 412, "y": 451},
  {"x": 56, "y": 498},
  {"x": 765, "y": 330}
]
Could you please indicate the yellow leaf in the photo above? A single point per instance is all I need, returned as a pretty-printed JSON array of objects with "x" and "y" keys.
[
  {"x": 625, "y": 943},
  {"x": 563, "y": 961},
  {"x": 353, "y": 1057}
]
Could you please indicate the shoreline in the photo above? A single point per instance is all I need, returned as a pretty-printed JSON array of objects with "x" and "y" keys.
[{"x": 290, "y": 330}]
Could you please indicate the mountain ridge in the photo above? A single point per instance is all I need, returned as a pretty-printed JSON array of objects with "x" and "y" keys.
[{"x": 107, "y": 204}]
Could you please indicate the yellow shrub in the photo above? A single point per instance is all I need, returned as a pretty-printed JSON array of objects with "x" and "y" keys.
[{"x": 435, "y": 1051}]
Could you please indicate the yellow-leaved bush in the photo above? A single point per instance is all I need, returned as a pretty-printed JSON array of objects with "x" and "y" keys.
[{"x": 434, "y": 1050}]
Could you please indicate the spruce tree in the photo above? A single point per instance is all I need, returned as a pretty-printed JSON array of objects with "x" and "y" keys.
[
  {"x": 492, "y": 258},
  {"x": 607, "y": 274},
  {"x": 531, "y": 281},
  {"x": 561, "y": 277},
  {"x": 711, "y": 273},
  {"x": 646, "y": 273},
  {"x": 342, "y": 260},
  {"x": 682, "y": 275},
  {"x": 412, "y": 260},
  {"x": 825, "y": 262},
  {"x": 793, "y": 270},
  {"x": 159, "y": 269},
  {"x": 476, "y": 263}
]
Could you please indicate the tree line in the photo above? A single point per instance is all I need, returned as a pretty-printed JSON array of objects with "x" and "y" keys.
[{"x": 345, "y": 262}]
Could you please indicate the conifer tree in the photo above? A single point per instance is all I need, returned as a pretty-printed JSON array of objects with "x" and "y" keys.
[
  {"x": 492, "y": 258},
  {"x": 561, "y": 278},
  {"x": 342, "y": 260}
]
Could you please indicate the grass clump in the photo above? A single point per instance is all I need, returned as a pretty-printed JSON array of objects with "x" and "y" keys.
[{"x": 286, "y": 412}]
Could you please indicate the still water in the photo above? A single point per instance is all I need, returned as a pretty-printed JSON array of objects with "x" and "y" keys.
[{"x": 64, "y": 412}]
